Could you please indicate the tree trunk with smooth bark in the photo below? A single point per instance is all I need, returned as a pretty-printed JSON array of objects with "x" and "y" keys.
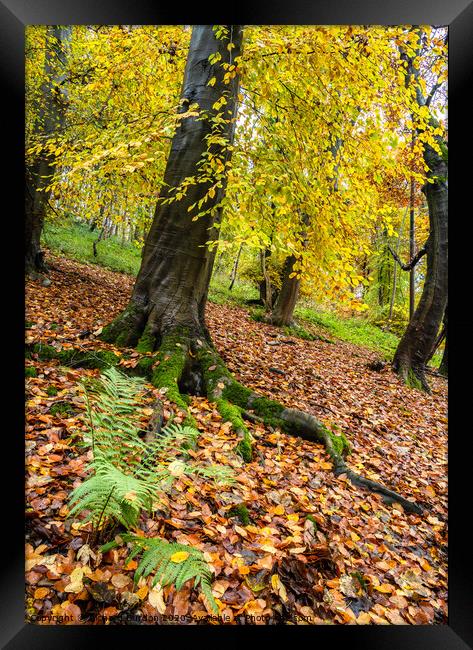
[
  {"x": 50, "y": 117},
  {"x": 171, "y": 288},
  {"x": 419, "y": 338},
  {"x": 235, "y": 268},
  {"x": 283, "y": 311}
]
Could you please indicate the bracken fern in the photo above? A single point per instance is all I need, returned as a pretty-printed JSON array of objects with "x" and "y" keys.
[
  {"x": 128, "y": 473},
  {"x": 160, "y": 556}
]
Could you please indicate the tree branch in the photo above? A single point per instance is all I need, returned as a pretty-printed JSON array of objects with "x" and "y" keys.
[{"x": 410, "y": 265}]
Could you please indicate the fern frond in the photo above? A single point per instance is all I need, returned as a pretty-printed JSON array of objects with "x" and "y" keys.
[
  {"x": 157, "y": 557},
  {"x": 128, "y": 473},
  {"x": 110, "y": 493}
]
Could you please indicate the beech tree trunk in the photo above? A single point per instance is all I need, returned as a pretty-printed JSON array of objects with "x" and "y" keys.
[
  {"x": 267, "y": 293},
  {"x": 49, "y": 118},
  {"x": 172, "y": 284},
  {"x": 443, "y": 369},
  {"x": 412, "y": 250},
  {"x": 283, "y": 311},
  {"x": 419, "y": 338}
]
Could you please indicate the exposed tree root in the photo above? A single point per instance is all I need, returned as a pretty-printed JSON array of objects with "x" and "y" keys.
[
  {"x": 185, "y": 361},
  {"x": 222, "y": 387}
]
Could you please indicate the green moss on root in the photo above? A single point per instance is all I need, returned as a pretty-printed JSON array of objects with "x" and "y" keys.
[
  {"x": 231, "y": 413},
  {"x": 147, "y": 341},
  {"x": 245, "y": 448},
  {"x": 269, "y": 410},
  {"x": 51, "y": 391},
  {"x": 413, "y": 381},
  {"x": 240, "y": 511},
  {"x": 73, "y": 357},
  {"x": 237, "y": 393},
  {"x": 31, "y": 371},
  {"x": 340, "y": 443},
  {"x": 172, "y": 357},
  {"x": 119, "y": 331}
]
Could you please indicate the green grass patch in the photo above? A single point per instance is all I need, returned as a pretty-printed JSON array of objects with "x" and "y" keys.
[
  {"x": 241, "y": 292},
  {"x": 75, "y": 240},
  {"x": 352, "y": 330}
]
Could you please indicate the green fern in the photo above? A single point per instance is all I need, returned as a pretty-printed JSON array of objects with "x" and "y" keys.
[
  {"x": 128, "y": 474},
  {"x": 157, "y": 556},
  {"x": 111, "y": 494}
]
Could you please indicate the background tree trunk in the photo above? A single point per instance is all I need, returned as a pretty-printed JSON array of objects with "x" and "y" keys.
[
  {"x": 393, "y": 294},
  {"x": 266, "y": 291},
  {"x": 50, "y": 118},
  {"x": 235, "y": 268},
  {"x": 172, "y": 285},
  {"x": 412, "y": 252},
  {"x": 419, "y": 338},
  {"x": 443, "y": 369},
  {"x": 283, "y": 312}
]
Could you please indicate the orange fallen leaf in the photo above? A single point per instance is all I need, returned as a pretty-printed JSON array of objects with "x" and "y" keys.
[{"x": 41, "y": 593}]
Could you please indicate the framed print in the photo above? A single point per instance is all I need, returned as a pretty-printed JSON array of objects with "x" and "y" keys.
[{"x": 236, "y": 303}]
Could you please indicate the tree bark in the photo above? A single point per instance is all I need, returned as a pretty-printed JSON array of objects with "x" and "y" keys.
[
  {"x": 393, "y": 293},
  {"x": 267, "y": 292},
  {"x": 235, "y": 269},
  {"x": 419, "y": 338},
  {"x": 50, "y": 117},
  {"x": 412, "y": 247},
  {"x": 172, "y": 285},
  {"x": 443, "y": 369},
  {"x": 283, "y": 311}
]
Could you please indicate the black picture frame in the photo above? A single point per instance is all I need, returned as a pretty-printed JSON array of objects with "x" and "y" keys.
[{"x": 14, "y": 16}]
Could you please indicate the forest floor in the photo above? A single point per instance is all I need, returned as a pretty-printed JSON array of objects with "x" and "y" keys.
[{"x": 341, "y": 556}]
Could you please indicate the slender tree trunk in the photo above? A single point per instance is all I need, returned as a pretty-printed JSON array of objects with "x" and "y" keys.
[
  {"x": 235, "y": 269},
  {"x": 218, "y": 262},
  {"x": 443, "y": 369},
  {"x": 172, "y": 284},
  {"x": 412, "y": 250},
  {"x": 283, "y": 311},
  {"x": 50, "y": 118},
  {"x": 265, "y": 287},
  {"x": 393, "y": 294}
]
